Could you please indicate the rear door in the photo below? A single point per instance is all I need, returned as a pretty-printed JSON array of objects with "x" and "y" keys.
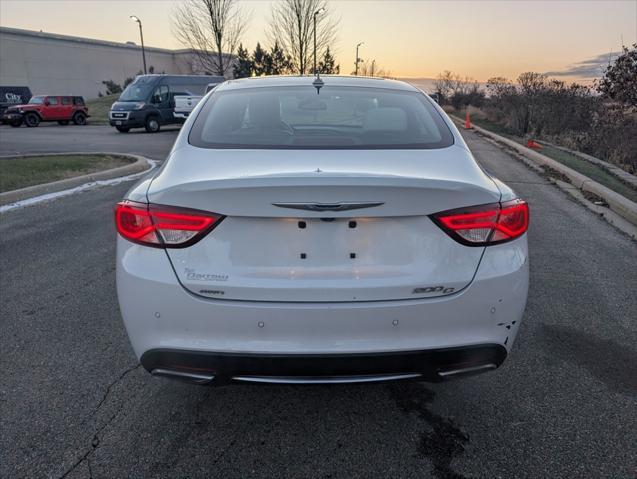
[{"x": 66, "y": 108}]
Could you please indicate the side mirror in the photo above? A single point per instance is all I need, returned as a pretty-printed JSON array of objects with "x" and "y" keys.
[
  {"x": 47, "y": 102},
  {"x": 435, "y": 97}
]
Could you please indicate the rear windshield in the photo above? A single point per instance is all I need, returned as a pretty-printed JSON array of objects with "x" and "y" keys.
[{"x": 330, "y": 118}]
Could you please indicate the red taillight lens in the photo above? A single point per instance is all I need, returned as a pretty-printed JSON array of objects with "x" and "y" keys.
[
  {"x": 163, "y": 226},
  {"x": 487, "y": 224}
]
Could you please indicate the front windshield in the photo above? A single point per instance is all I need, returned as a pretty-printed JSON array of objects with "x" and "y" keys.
[
  {"x": 139, "y": 90},
  {"x": 334, "y": 118},
  {"x": 37, "y": 100}
]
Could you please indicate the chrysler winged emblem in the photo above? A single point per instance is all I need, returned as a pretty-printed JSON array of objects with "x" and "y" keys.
[{"x": 342, "y": 206}]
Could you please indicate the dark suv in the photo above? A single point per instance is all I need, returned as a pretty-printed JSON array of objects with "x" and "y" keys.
[{"x": 62, "y": 109}]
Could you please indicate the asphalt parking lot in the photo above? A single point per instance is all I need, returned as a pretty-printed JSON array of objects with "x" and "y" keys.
[
  {"x": 52, "y": 138},
  {"x": 75, "y": 404}
]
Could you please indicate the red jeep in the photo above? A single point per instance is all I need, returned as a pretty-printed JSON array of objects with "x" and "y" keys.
[{"x": 47, "y": 108}]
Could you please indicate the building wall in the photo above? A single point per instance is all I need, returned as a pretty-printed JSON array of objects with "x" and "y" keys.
[{"x": 59, "y": 64}]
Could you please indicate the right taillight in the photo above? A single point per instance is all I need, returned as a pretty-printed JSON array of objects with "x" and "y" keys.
[
  {"x": 163, "y": 226},
  {"x": 486, "y": 224}
]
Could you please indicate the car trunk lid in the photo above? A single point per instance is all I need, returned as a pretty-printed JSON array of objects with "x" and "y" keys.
[{"x": 319, "y": 232}]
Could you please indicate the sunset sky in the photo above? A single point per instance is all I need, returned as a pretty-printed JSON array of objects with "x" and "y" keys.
[{"x": 411, "y": 38}]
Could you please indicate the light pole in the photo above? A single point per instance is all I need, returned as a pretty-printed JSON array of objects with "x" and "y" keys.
[
  {"x": 141, "y": 34},
  {"x": 358, "y": 59},
  {"x": 320, "y": 11}
]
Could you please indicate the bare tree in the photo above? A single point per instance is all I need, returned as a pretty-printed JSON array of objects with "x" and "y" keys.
[
  {"x": 371, "y": 68},
  {"x": 292, "y": 26},
  {"x": 213, "y": 29},
  {"x": 445, "y": 84}
]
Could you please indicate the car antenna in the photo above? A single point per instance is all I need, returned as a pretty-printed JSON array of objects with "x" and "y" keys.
[{"x": 318, "y": 84}]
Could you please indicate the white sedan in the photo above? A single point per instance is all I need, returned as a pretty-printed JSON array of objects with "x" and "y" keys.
[{"x": 310, "y": 230}]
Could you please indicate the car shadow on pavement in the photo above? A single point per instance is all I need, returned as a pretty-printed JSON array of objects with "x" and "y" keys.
[
  {"x": 383, "y": 430},
  {"x": 610, "y": 362}
]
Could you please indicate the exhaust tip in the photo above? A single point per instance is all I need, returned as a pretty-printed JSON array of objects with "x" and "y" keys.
[
  {"x": 196, "y": 378},
  {"x": 468, "y": 371}
]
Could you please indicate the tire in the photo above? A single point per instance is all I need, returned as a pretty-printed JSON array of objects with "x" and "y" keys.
[
  {"x": 122, "y": 129},
  {"x": 152, "y": 124},
  {"x": 79, "y": 118},
  {"x": 63, "y": 122},
  {"x": 31, "y": 120}
]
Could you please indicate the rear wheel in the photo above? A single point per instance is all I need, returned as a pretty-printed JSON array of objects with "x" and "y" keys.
[
  {"x": 31, "y": 120},
  {"x": 79, "y": 118},
  {"x": 63, "y": 122},
  {"x": 152, "y": 124},
  {"x": 122, "y": 129}
]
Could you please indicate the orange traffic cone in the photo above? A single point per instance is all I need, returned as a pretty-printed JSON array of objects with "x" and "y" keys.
[
  {"x": 467, "y": 122},
  {"x": 532, "y": 144}
]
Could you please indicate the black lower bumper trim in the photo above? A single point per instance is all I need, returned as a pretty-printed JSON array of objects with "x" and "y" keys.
[{"x": 428, "y": 363}]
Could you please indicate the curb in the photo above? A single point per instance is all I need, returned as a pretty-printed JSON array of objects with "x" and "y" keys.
[
  {"x": 141, "y": 164},
  {"x": 621, "y": 205}
]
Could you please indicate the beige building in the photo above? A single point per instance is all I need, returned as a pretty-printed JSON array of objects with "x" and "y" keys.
[{"x": 59, "y": 64}]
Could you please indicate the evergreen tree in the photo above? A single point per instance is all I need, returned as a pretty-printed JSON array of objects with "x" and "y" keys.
[
  {"x": 243, "y": 67},
  {"x": 280, "y": 63},
  {"x": 261, "y": 61},
  {"x": 328, "y": 64}
]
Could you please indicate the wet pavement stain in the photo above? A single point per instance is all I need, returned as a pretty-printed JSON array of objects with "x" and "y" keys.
[{"x": 445, "y": 441}]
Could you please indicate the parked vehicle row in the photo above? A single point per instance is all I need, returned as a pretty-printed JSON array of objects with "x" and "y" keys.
[
  {"x": 62, "y": 109},
  {"x": 150, "y": 101}
]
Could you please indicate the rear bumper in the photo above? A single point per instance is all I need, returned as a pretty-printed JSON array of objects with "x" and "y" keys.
[
  {"x": 172, "y": 329},
  {"x": 430, "y": 365}
]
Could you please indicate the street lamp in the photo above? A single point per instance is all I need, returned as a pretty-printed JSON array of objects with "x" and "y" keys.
[
  {"x": 358, "y": 60},
  {"x": 141, "y": 34},
  {"x": 320, "y": 11}
]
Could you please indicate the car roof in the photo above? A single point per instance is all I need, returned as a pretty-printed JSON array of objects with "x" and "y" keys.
[{"x": 328, "y": 80}]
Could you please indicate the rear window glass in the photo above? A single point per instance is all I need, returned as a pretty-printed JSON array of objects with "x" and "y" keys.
[{"x": 330, "y": 118}]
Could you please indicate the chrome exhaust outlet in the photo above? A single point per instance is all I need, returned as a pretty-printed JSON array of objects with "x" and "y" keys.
[
  {"x": 324, "y": 379},
  {"x": 183, "y": 376},
  {"x": 452, "y": 373}
]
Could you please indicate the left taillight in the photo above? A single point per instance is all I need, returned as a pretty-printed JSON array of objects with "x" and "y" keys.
[
  {"x": 485, "y": 225},
  {"x": 163, "y": 226}
]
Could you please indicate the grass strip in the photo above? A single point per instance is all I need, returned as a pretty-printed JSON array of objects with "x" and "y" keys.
[
  {"x": 16, "y": 173},
  {"x": 98, "y": 108}
]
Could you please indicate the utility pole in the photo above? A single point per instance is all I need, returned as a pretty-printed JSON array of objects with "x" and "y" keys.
[
  {"x": 318, "y": 12},
  {"x": 141, "y": 35},
  {"x": 358, "y": 60}
]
